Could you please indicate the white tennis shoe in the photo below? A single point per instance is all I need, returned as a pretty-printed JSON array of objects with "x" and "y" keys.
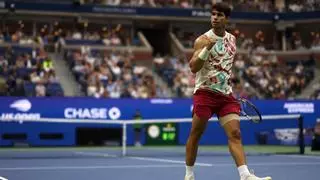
[
  {"x": 248, "y": 177},
  {"x": 189, "y": 177}
]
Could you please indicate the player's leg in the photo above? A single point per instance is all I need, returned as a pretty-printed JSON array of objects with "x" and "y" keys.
[
  {"x": 201, "y": 114},
  {"x": 230, "y": 121},
  {"x": 231, "y": 125},
  {"x": 197, "y": 129}
]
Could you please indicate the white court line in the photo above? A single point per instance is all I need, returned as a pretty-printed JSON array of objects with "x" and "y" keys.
[
  {"x": 207, "y": 164},
  {"x": 88, "y": 167},
  {"x": 300, "y": 156},
  {"x": 282, "y": 164},
  {"x": 95, "y": 154},
  {"x": 141, "y": 166},
  {"x": 168, "y": 161},
  {"x": 141, "y": 158}
]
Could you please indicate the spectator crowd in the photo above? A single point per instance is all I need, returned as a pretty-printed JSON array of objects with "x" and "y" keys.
[
  {"x": 27, "y": 72},
  {"x": 112, "y": 75},
  {"x": 238, "y": 5},
  {"x": 115, "y": 74}
]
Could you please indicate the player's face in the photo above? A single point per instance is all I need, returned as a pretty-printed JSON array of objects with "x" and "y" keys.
[{"x": 218, "y": 19}]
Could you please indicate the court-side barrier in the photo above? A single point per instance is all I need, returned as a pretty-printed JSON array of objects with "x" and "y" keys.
[{"x": 13, "y": 109}]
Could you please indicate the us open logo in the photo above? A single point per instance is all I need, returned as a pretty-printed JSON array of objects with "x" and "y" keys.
[{"x": 22, "y": 108}]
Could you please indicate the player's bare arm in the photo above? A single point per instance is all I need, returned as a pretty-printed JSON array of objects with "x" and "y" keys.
[{"x": 202, "y": 47}]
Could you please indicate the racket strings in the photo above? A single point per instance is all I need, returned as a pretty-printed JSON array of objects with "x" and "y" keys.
[{"x": 250, "y": 111}]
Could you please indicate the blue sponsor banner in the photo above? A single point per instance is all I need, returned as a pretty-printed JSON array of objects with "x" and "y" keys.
[
  {"x": 91, "y": 108},
  {"x": 171, "y": 12},
  {"x": 124, "y": 109}
]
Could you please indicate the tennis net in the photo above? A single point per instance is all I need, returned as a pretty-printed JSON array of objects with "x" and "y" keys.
[{"x": 162, "y": 137}]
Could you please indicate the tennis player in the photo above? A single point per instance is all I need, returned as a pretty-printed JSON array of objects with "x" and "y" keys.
[{"x": 212, "y": 61}]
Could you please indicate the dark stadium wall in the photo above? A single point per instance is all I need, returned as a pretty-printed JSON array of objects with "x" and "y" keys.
[{"x": 157, "y": 35}]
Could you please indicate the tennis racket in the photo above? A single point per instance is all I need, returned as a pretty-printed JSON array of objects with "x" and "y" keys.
[{"x": 250, "y": 111}]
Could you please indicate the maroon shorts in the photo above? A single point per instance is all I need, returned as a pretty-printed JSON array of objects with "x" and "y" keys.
[{"x": 206, "y": 103}]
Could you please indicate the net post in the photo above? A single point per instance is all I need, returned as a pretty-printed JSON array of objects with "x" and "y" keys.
[
  {"x": 301, "y": 136},
  {"x": 124, "y": 139}
]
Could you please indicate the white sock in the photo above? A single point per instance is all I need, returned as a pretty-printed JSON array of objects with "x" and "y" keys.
[
  {"x": 189, "y": 170},
  {"x": 243, "y": 170}
]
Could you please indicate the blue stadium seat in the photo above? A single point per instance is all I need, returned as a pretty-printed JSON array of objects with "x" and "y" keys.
[
  {"x": 20, "y": 49},
  {"x": 104, "y": 82},
  {"x": 29, "y": 89},
  {"x": 54, "y": 89},
  {"x": 23, "y": 72},
  {"x": 83, "y": 42}
]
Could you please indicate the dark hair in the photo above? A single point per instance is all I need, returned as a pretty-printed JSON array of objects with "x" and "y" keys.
[{"x": 222, "y": 7}]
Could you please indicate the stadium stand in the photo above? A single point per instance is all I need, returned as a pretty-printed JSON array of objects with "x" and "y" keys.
[
  {"x": 93, "y": 35},
  {"x": 28, "y": 72},
  {"x": 119, "y": 60},
  {"x": 316, "y": 94},
  {"x": 110, "y": 75},
  {"x": 316, "y": 91},
  {"x": 300, "y": 6},
  {"x": 26, "y": 66},
  {"x": 238, "y": 5},
  {"x": 276, "y": 79}
]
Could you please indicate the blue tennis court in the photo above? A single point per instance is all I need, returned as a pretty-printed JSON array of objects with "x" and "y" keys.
[{"x": 97, "y": 163}]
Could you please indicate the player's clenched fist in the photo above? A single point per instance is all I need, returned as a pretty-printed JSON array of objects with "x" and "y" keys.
[
  {"x": 208, "y": 47},
  {"x": 210, "y": 42},
  {"x": 203, "y": 47}
]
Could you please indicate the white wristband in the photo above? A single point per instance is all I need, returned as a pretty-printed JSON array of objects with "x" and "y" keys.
[{"x": 204, "y": 54}]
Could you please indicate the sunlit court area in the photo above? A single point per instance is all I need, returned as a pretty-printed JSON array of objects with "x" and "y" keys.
[{"x": 126, "y": 89}]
